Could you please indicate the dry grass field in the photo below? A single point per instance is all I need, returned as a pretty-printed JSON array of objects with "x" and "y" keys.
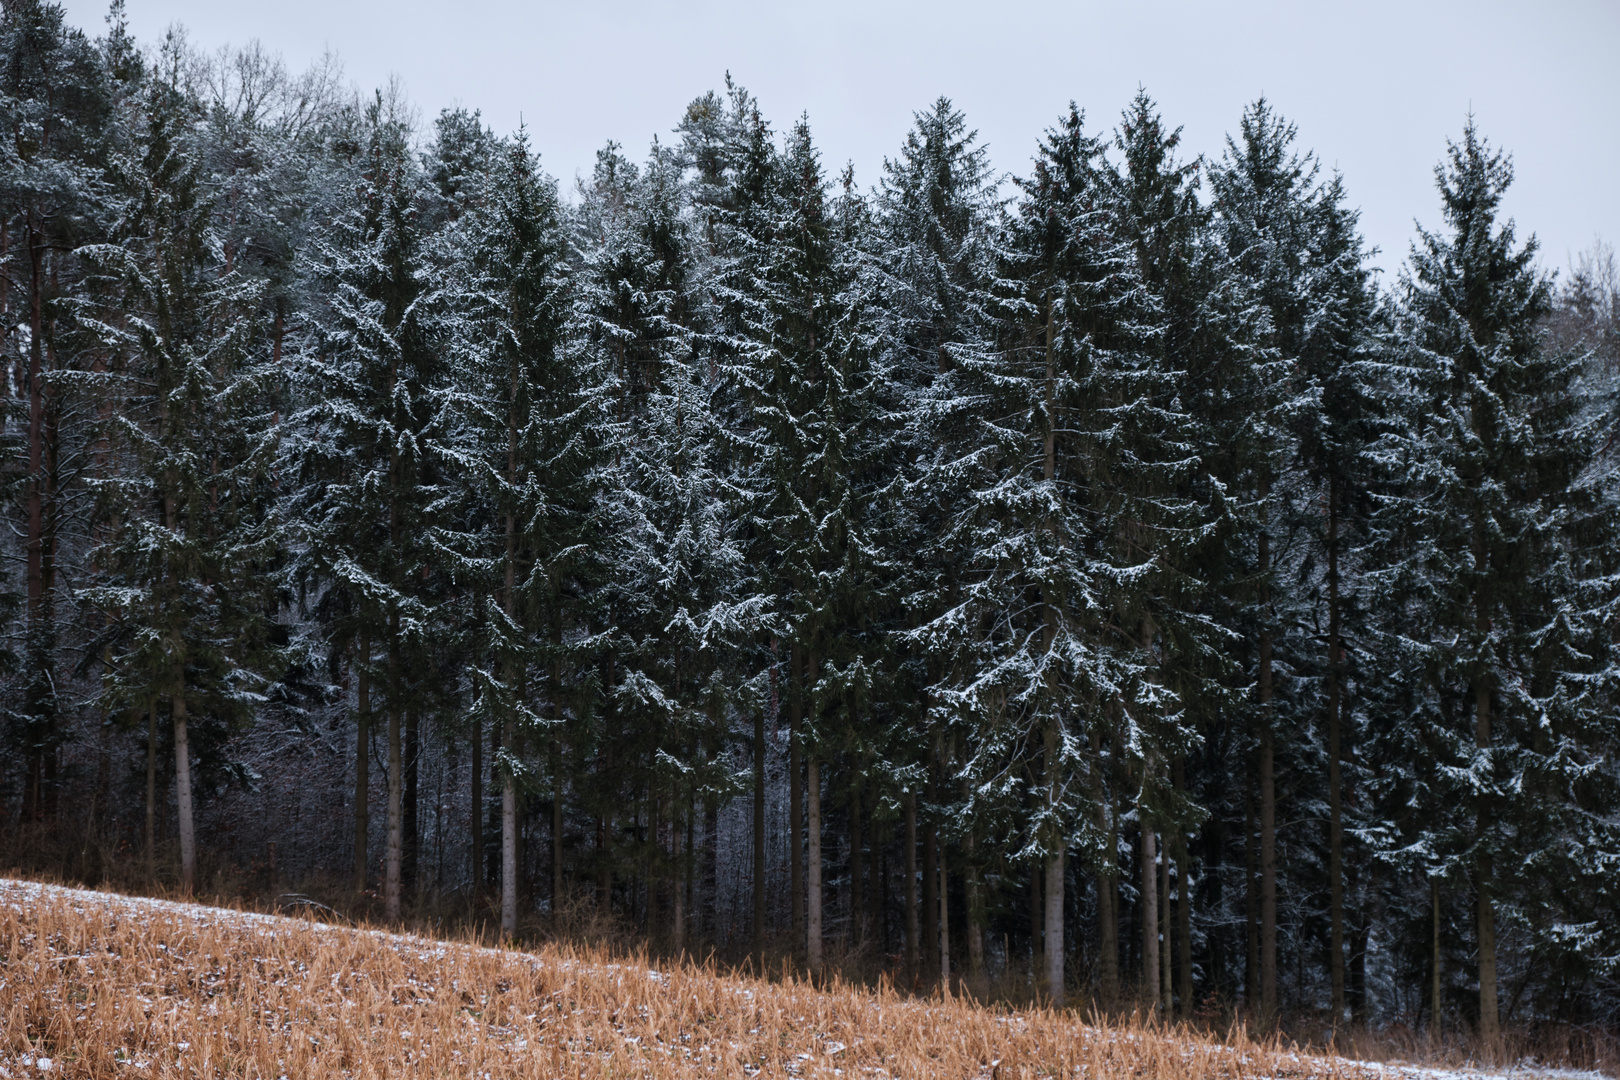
[{"x": 97, "y": 985}]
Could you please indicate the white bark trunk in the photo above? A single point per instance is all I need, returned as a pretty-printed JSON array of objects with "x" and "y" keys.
[
  {"x": 182, "y": 791},
  {"x": 509, "y": 869}
]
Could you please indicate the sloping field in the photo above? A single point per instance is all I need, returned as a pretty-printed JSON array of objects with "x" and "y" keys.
[{"x": 99, "y": 985}]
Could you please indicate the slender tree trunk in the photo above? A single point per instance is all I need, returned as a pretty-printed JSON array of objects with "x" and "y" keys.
[
  {"x": 1107, "y": 894},
  {"x": 555, "y": 751},
  {"x": 182, "y": 790},
  {"x": 1056, "y": 852},
  {"x": 1054, "y": 926},
  {"x": 396, "y": 821},
  {"x": 1434, "y": 993},
  {"x": 1251, "y": 896},
  {"x": 796, "y": 794},
  {"x": 1167, "y": 845},
  {"x": 944, "y": 921},
  {"x": 556, "y": 825},
  {"x": 411, "y": 823},
  {"x": 929, "y": 908},
  {"x": 39, "y": 705},
  {"x": 813, "y": 793},
  {"x": 477, "y": 838},
  {"x": 1037, "y": 927},
  {"x": 857, "y": 899},
  {"x": 1335, "y": 790},
  {"x": 151, "y": 790},
  {"x": 677, "y": 918},
  {"x": 759, "y": 839},
  {"x": 913, "y": 931},
  {"x": 1489, "y": 1024},
  {"x": 975, "y": 914},
  {"x": 509, "y": 838},
  {"x": 1184, "y": 972},
  {"x": 1150, "y": 916},
  {"x": 362, "y": 763},
  {"x": 1268, "y": 884},
  {"x": 1268, "y": 815}
]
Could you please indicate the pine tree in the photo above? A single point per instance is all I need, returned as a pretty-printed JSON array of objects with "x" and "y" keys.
[
  {"x": 57, "y": 97},
  {"x": 531, "y": 406},
  {"x": 1490, "y": 612},
  {"x": 368, "y": 438},
  {"x": 183, "y": 570}
]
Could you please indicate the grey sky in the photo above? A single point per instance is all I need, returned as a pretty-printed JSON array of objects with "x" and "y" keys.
[{"x": 1375, "y": 87}]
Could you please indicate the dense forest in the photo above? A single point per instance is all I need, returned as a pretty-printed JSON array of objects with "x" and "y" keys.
[{"x": 1096, "y": 583}]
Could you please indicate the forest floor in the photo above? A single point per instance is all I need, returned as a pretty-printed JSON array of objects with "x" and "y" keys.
[{"x": 94, "y": 984}]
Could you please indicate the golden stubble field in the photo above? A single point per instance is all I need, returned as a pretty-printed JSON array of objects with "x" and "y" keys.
[{"x": 98, "y": 985}]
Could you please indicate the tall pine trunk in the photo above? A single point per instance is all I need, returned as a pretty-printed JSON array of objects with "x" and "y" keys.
[
  {"x": 1055, "y": 859},
  {"x": 1335, "y": 792},
  {"x": 151, "y": 789},
  {"x": 411, "y": 826},
  {"x": 1167, "y": 845},
  {"x": 509, "y": 849},
  {"x": 1184, "y": 970},
  {"x": 913, "y": 931},
  {"x": 759, "y": 839},
  {"x": 182, "y": 790},
  {"x": 362, "y": 763},
  {"x": 1150, "y": 918},
  {"x": 1489, "y": 1024},
  {"x": 477, "y": 794},
  {"x": 1107, "y": 894},
  {"x": 1268, "y": 804},
  {"x": 396, "y": 822},
  {"x": 795, "y": 794},
  {"x": 813, "y": 795}
]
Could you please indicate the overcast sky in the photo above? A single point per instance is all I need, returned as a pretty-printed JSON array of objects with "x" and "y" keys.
[{"x": 1375, "y": 87}]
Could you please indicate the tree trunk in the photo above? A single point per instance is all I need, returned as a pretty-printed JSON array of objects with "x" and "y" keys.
[
  {"x": 555, "y": 753},
  {"x": 944, "y": 921},
  {"x": 1150, "y": 918},
  {"x": 182, "y": 791},
  {"x": 556, "y": 823},
  {"x": 412, "y": 826},
  {"x": 477, "y": 837},
  {"x": 1107, "y": 894},
  {"x": 1184, "y": 972},
  {"x": 1489, "y": 1023},
  {"x": 1335, "y": 792},
  {"x": 509, "y": 838},
  {"x": 857, "y": 899},
  {"x": 913, "y": 931},
  {"x": 929, "y": 908},
  {"x": 1268, "y": 876},
  {"x": 813, "y": 793},
  {"x": 1054, "y": 926},
  {"x": 1251, "y": 897},
  {"x": 151, "y": 790},
  {"x": 795, "y": 794},
  {"x": 1037, "y": 925},
  {"x": 362, "y": 764},
  {"x": 1055, "y": 857},
  {"x": 678, "y": 877},
  {"x": 1434, "y": 994},
  {"x": 975, "y": 915},
  {"x": 1167, "y": 938},
  {"x": 759, "y": 839},
  {"x": 396, "y": 824}
]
